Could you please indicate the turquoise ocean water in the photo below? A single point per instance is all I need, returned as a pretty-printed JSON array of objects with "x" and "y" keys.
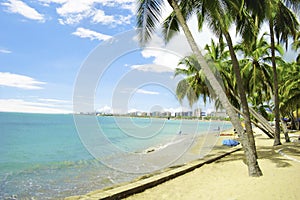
[{"x": 43, "y": 157}]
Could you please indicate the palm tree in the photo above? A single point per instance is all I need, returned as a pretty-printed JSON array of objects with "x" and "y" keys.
[
  {"x": 296, "y": 45},
  {"x": 256, "y": 70},
  {"x": 219, "y": 56},
  {"x": 194, "y": 84},
  {"x": 289, "y": 92},
  {"x": 220, "y": 16},
  {"x": 282, "y": 24},
  {"x": 147, "y": 19}
]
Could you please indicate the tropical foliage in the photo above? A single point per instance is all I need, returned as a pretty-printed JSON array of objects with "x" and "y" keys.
[{"x": 241, "y": 78}]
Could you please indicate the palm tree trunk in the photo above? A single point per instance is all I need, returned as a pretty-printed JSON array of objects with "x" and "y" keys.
[
  {"x": 253, "y": 167},
  {"x": 275, "y": 85},
  {"x": 241, "y": 90},
  {"x": 263, "y": 122},
  {"x": 297, "y": 117},
  {"x": 262, "y": 126},
  {"x": 285, "y": 131},
  {"x": 293, "y": 121}
]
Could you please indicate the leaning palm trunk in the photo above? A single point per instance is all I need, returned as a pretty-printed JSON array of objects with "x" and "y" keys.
[
  {"x": 241, "y": 90},
  {"x": 262, "y": 126},
  {"x": 263, "y": 122},
  {"x": 250, "y": 153}
]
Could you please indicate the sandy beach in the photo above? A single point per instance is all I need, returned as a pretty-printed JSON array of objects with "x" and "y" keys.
[{"x": 227, "y": 178}]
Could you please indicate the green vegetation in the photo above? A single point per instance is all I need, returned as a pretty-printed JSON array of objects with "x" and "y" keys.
[{"x": 250, "y": 84}]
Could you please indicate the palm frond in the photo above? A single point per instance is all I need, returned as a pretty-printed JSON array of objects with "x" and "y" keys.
[
  {"x": 170, "y": 27},
  {"x": 285, "y": 23},
  {"x": 148, "y": 16}
]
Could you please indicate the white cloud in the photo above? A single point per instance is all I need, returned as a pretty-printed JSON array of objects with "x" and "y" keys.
[
  {"x": 112, "y": 20},
  {"x": 105, "y": 109},
  {"x": 162, "y": 57},
  {"x": 100, "y": 17},
  {"x": 133, "y": 110},
  {"x": 71, "y": 7},
  {"x": 141, "y": 91},
  {"x": 152, "y": 68},
  {"x": 20, "y": 105},
  {"x": 178, "y": 109},
  {"x": 73, "y": 11},
  {"x": 58, "y": 101},
  {"x": 72, "y": 20},
  {"x": 5, "y": 51},
  {"x": 19, "y": 81},
  {"x": 92, "y": 35},
  {"x": 16, "y": 6},
  {"x": 124, "y": 19},
  {"x": 130, "y": 5},
  {"x": 47, "y": 2}
]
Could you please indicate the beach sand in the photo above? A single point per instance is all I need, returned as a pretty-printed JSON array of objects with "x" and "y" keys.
[{"x": 228, "y": 177}]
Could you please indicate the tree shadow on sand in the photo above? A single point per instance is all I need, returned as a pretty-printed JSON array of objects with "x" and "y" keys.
[{"x": 289, "y": 153}]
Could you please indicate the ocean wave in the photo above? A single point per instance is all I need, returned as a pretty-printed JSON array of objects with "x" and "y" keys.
[{"x": 163, "y": 146}]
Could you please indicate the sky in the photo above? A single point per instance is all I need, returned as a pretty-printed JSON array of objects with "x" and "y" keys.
[
  {"x": 45, "y": 43},
  {"x": 46, "y": 46}
]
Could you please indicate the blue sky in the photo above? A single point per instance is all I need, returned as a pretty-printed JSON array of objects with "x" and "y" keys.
[{"x": 44, "y": 44}]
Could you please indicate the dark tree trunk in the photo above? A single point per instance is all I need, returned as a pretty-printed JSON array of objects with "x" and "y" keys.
[
  {"x": 250, "y": 153},
  {"x": 263, "y": 122},
  {"x": 275, "y": 87},
  {"x": 250, "y": 148},
  {"x": 261, "y": 126},
  {"x": 285, "y": 131},
  {"x": 297, "y": 118},
  {"x": 293, "y": 121}
]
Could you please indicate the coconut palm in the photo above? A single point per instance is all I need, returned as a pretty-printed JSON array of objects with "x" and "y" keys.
[
  {"x": 194, "y": 84},
  {"x": 219, "y": 56},
  {"x": 220, "y": 15},
  {"x": 216, "y": 54},
  {"x": 282, "y": 24},
  {"x": 296, "y": 45},
  {"x": 289, "y": 92},
  {"x": 147, "y": 18},
  {"x": 258, "y": 74},
  {"x": 256, "y": 69}
]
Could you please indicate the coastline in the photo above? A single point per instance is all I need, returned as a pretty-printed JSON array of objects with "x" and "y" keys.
[
  {"x": 225, "y": 175},
  {"x": 209, "y": 154},
  {"x": 227, "y": 178}
]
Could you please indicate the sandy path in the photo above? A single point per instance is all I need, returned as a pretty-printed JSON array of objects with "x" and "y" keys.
[{"x": 228, "y": 177}]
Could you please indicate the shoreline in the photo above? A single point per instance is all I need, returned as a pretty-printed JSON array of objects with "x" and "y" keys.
[
  {"x": 227, "y": 178},
  {"x": 176, "y": 169},
  {"x": 163, "y": 190}
]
